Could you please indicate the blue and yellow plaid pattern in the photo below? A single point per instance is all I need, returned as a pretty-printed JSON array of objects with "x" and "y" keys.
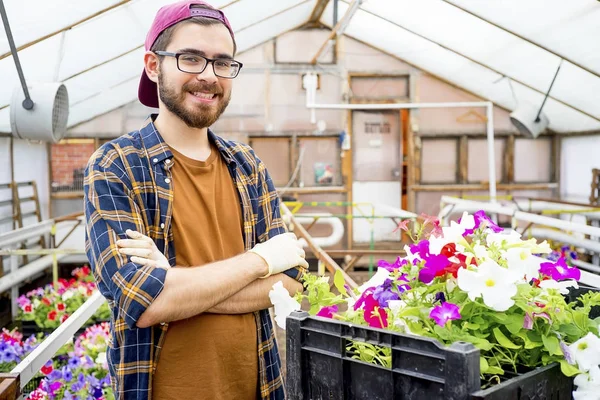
[{"x": 128, "y": 186}]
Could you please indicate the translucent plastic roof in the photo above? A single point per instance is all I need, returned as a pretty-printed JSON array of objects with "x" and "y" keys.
[{"x": 96, "y": 47}]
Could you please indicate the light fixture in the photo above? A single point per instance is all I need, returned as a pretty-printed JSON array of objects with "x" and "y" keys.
[{"x": 529, "y": 123}]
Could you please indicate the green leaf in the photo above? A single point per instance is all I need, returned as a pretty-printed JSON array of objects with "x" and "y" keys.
[
  {"x": 470, "y": 326},
  {"x": 495, "y": 370},
  {"x": 570, "y": 329},
  {"x": 551, "y": 344},
  {"x": 499, "y": 317},
  {"x": 515, "y": 323},
  {"x": 503, "y": 340},
  {"x": 483, "y": 365},
  {"x": 410, "y": 312},
  {"x": 568, "y": 369},
  {"x": 441, "y": 332},
  {"x": 339, "y": 282}
]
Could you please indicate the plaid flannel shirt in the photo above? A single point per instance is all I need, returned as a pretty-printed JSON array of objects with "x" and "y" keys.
[{"x": 127, "y": 186}]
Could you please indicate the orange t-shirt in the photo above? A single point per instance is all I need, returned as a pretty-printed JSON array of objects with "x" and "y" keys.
[{"x": 208, "y": 356}]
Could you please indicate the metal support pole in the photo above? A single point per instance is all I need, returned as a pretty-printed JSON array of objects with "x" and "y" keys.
[
  {"x": 14, "y": 290},
  {"x": 491, "y": 151},
  {"x": 27, "y": 103}
]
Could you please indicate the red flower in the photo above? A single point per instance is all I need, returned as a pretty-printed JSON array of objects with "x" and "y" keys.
[
  {"x": 64, "y": 318},
  {"x": 28, "y": 308},
  {"x": 60, "y": 306},
  {"x": 85, "y": 271},
  {"x": 47, "y": 369},
  {"x": 52, "y": 315},
  {"x": 449, "y": 250},
  {"x": 46, "y": 301}
]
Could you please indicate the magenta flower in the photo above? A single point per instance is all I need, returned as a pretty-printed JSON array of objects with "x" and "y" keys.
[
  {"x": 421, "y": 248},
  {"x": 327, "y": 312},
  {"x": 435, "y": 265},
  {"x": 560, "y": 270},
  {"x": 376, "y": 317},
  {"x": 528, "y": 322},
  {"x": 482, "y": 220},
  {"x": 444, "y": 313},
  {"x": 393, "y": 266}
]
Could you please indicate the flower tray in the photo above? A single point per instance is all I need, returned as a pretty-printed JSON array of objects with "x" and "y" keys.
[
  {"x": 30, "y": 328},
  {"x": 320, "y": 367}
]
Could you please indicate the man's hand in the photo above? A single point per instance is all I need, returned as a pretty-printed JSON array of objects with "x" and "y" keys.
[
  {"x": 142, "y": 250},
  {"x": 281, "y": 253}
]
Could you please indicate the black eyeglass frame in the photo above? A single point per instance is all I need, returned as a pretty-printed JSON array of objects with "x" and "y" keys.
[{"x": 208, "y": 61}]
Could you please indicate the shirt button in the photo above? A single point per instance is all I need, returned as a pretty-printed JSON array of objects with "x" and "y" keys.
[
  {"x": 162, "y": 226},
  {"x": 155, "y": 160},
  {"x": 167, "y": 180},
  {"x": 168, "y": 161}
]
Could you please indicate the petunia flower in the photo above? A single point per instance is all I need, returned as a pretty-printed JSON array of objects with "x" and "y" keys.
[
  {"x": 384, "y": 293},
  {"x": 327, "y": 312},
  {"x": 562, "y": 287},
  {"x": 586, "y": 352},
  {"x": 560, "y": 271},
  {"x": 491, "y": 282},
  {"x": 444, "y": 313},
  {"x": 399, "y": 263},
  {"x": 435, "y": 265},
  {"x": 283, "y": 303},
  {"x": 482, "y": 220}
]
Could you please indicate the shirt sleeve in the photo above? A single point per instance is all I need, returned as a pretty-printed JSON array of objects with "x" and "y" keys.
[
  {"x": 270, "y": 223},
  {"x": 109, "y": 211}
]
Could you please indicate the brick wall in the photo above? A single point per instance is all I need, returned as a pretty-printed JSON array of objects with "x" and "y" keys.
[{"x": 68, "y": 159}]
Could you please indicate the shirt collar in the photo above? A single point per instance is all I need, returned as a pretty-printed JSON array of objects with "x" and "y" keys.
[{"x": 158, "y": 150}]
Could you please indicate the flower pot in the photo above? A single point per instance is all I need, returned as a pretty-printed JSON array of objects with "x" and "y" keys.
[{"x": 320, "y": 367}]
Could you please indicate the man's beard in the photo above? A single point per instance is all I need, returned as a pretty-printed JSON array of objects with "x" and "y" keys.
[{"x": 202, "y": 116}]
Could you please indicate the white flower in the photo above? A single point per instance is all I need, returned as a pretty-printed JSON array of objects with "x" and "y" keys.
[
  {"x": 101, "y": 359},
  {"x": 522, "y": 263},
  {"x": 283, "y": 303},
  {"x": 396, "y": 307},
  {"x": 376, "y": 280},
  {"x": 504, "y": 238},
  {"x": 454, "y": 232},
  {"x": 490, "y": 281},
  {"x": 67, "y": 295},
  {"x": 588, "y": 385},
  {"x": 562, "y": 286},
  {"x": 481, "y": 252},
  {"x": 586, "y": 352}
]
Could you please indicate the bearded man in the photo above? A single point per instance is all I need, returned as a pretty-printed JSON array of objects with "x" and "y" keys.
[{"x": 190, "y": 300}]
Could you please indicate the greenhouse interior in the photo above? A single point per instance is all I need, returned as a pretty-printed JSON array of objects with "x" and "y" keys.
[{"x": 300, "y": 199}]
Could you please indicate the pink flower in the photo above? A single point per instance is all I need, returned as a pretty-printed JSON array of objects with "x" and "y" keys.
[
  {"x": 560, "y": 270},
  {"x": 327, "y": 312},
  {"x": 444, "y": 313},
  {"x": 376, "y": 317}
]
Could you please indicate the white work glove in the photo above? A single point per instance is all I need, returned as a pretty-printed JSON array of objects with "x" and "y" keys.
[
  {"x": 281, "y": 253},
  {"x": 142, "y": 250}
]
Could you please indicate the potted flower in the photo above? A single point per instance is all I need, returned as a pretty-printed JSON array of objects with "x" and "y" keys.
[
  {"x": 470, "y": 300},
  {"x": 85, "y": 372}
]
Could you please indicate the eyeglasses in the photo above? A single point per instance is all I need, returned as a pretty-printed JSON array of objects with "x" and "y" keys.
[{"x": 196, "y": 64}]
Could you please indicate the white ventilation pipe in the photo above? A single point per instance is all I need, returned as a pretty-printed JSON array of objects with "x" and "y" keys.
[{"x": 323, "y": 219}]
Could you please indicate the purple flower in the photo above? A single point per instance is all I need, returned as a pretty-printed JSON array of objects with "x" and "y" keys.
[
  {"x": 560, "y": 270},
  {"x": 105, "y": 381},
  {"x": 327, "y": 312},
  {"x": 444, "y": 313},
  {"x": 74, "y": 362},
  {"x": 77, "y": 386},
  {"x": 94, "y": 382},
  {"x": 55, "y": 375},
  {"x": 67, "y": 374},
  {"x": 391, "y": 267},
  {"x": 482, "y": 220},
  {"x": 384, "y": 293},
  {"x": 421, "y": 248},
  {"x": 528, "y": 321},
  {"x": 23, "y": 301},
  {"x": 439, "y": 296},
  {"x": 434, "y": 266},
  {"x": 567, "y": 353},
  {"x": 98, "y": 392},
  {"x": 68, "y": 396}
]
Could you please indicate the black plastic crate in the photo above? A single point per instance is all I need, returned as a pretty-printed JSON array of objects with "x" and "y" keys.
[{"x": 319, "y": 366}]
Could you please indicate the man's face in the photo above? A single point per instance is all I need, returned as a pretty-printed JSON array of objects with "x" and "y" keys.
[{"x": 198, "y": 99}]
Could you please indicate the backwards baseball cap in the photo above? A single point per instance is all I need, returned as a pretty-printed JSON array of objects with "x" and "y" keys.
[{"x": 166, "y": 17}]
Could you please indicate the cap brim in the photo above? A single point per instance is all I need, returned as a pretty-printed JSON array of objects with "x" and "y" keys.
[{"x": 147, "y": 91}]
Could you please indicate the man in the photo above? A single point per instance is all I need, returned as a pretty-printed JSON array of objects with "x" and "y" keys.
[{"x": 200, "y": 330}]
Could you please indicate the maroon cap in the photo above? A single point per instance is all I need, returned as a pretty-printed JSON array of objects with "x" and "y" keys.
[{"x": 166, "y": 17}]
